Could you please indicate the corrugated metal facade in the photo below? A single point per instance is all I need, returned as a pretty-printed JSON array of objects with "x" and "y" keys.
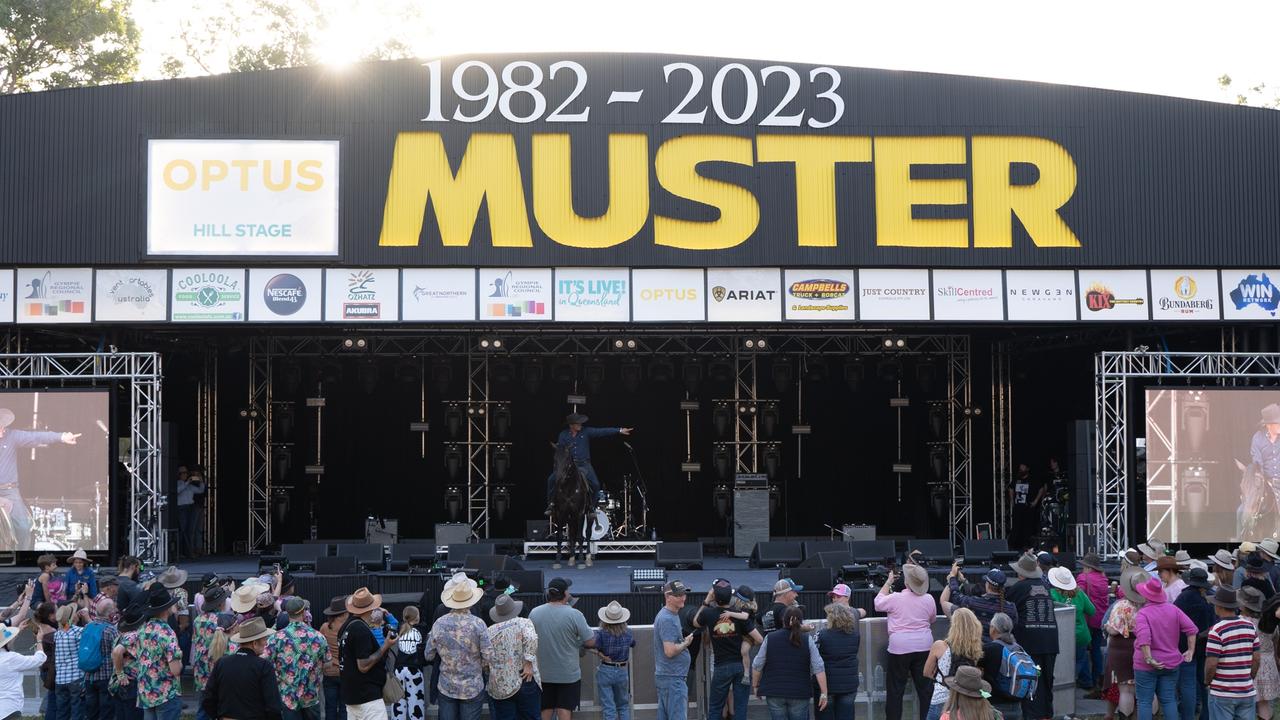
[{"x": 1161, "y": 181}]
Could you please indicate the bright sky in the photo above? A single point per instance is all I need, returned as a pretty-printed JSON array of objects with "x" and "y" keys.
[{"x": 1169, "y": 48}]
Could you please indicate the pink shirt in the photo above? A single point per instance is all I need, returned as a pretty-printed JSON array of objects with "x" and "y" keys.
[
  {"x": 1159, "y": 625},
  {"x": 1095, "y": 585},
  {"x": 910, "y": 617}
]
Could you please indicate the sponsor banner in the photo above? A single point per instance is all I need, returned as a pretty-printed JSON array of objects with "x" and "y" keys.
[
  {"x": 515, "y": 294},
  {"x": 968, "y": 295},
  {"x": 285, "y": 295},
  {"x": 131, "y": 295},
  {"x": 744, "y": 295},
  {"x": 593, "y": 295},
  {"x": 819, "y": 294},
  {"x": 438, "y": 294},
  {"x": 893, "y": 294},
  {"x": 668, "y": 295},
  {"x": 1250, "y": 294},
  {"x": 1040, "y": 295},
  {"x": 361, "y": 295},
  {"x": 1185, "y": 295},
  {"x": 55, "y": 295},
  {"x": 242, "y": 197},
  {"x": 1113, "y": 295},
  {"x": 207, "y": 295},
  {"x": 6, "y": 296}
]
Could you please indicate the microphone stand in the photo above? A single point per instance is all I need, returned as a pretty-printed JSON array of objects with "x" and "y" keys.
[{"x": 642, "y": 491}]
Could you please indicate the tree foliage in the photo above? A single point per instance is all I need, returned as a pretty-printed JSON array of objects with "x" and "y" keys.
[
  {"x": 1256, "y": 95},
  {"x": 50, "y": 44}
]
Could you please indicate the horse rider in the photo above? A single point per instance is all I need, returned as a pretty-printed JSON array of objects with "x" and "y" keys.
[{"x": 577, "y": 439}]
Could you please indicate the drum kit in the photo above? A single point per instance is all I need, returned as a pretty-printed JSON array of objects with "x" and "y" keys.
[
  {"x": 60, "y": 527},
  {"x": 619, "y": 516}
]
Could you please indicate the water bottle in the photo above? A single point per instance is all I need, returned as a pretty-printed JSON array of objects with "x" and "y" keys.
[
  {"x": 879, "y": 678},
  {"x": 653, "y": 535}
]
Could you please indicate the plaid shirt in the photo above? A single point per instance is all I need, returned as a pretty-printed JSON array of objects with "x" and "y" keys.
[
  {"x": 615, "y": 647},
  {"x": 103, "y": 673},
  {"x": 66, "y": 660}
]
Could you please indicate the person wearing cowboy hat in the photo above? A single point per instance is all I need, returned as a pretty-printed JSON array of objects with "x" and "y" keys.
[
  {"x": 1264, "y": 450},
  {"x": 911, "y": 614},
  {"x": 614, "y": 641},
  {"x": 562, "y": 632},
  {"x": 514, "y": 681},
  {"x": 335, "y": 616},
  {"x": 1231, "y": 660},
  {"x": 1193, "y": 603},
  {"x": 1269, "y": 549},
  {"x": 13, "y": 666},
  {"x": 362, "y": 672},
  {"x": 187, "y": 488},
  {"x": 1171, "y": 575},
  {"x": 173, "y": 578},
  {"x": 298, "y": 654},
  {"x": 1222, "y": 565},
  {"x": 243, "y": 684},
  {"x": 158, "y": 658},
  {"x": 1156, "y": 660},
  {"x": 11, "y": 441},
  {"x": 1036, "y": 629},
  {"x": 1064, "y": 589},
  {"x": 1256, "y": 575},
  {"x": 1151, "y": 551},
  {"x": 983, "y": 606},
  {"x": 1092, "y": 581},
  {"x": 576, "y": 439},
  {"x": 461, "y": 642},
  {"x": 213, "y": 602},
  {"x": 970, "y": 695},
  {"x": 81, "y": 573}
]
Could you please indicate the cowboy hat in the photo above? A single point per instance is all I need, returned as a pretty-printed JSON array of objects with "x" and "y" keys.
[
  {"x": 613, "y": 613},
  {"x": 1183, "y": 558},
  {"x": 1250, "y": 598},
  {"x": 244, "y": 598},
  {"x": 917, "y": 580},
  {"x": 1164, "y": 562},
  {"x": 1197, "y": 578},
  {"x": 1129, "y": 583},
  {"x": 1149, "y": 550},
  {"x": 158, "y": 598},
  {"x": 505, "y": 608},
  {"x": 1270, "y": 549},
  {"x": 968, "y": 681},
  {"x": 462, "y": 596},
  {"x": 1270, "y": 415},
  {"x": 337, "y": 606},
  {"x": 6, "y": 417},
  {"x": 1225, "y": 597},
  {"x": 362, "y": 601},
  {"x": 172, "y": 577},
  {"x": 1062, "y": 579},
  {"x": 79, "y": 554},
  {"x": 1131, "y": 556},
  {"x": 1223, "y": 559},
  {"x": 1246, "y": 547},
  {"x": 209, "y": 579},
  {"x": 575, "y": 419},
  {"x": 254, "y": 629},
  {"x": 1027, "y": 567},
  {"x": 1092, "y": 561},
  {"x": 7, "y": 633},
  {"x": 215, "y": 600},
  {"x": 1253, "y": 563},
  {"x": 1152, "y": 590}
]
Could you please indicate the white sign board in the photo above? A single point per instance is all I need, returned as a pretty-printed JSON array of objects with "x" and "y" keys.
[
  {"x": 964, "y": 295},
  {"x": 893, "y": 294},
  {"x": 744, "y": 295},
  {"x": 6, "y": 296},
  {"x": 207, "y": 295},
  {"x": 131, "y": 295},
  {"x": 1185, "y": 295},
  {"x": 1113, "y": 295},
  {"x": 515, "y": 294},
  {"x": 593, "y": 295},
  {"x": 668, "y": 295},
  {"x": 242, "y": 197},
  {"x": 438, "y": 294},
  {"x": 1250, "y": 294},
  {"x": 819, "y": 294},
  {"x": 285, "y": 295},
  {"x": 1040, "y": 295},
  {"x": 361, "y": 295},
  {"x": 55, "y": 295}
]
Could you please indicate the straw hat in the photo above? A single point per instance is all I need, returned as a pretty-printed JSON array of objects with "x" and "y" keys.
[
  {"x": 79, "y": 554},
  {"x": 245, "y": 598},
  {"x": 462, "y": 596},
  {"x": 1269, "y": 549},
  {"x": 613, "y": 613},
  {"x": 1062, "y": 579},
  {"x": 255, "y": 629},
  {"x": 362, "y": 601},
  {"x": 7, "y": 633},
  {"x": 916, "y": 578}
]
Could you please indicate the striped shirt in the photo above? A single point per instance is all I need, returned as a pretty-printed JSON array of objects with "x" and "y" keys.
[{"x": 1233, "y": 642}]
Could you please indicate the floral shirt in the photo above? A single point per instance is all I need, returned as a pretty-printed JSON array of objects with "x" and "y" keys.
[
  {"x": 127, "y": 679},
  {"x": 202, "y": 632},
  {"x": 514, "y": 641},
  {"x": 299, "y": 653},
  {"x": 462, "y": 642},
  {"x": 156, "y": 647},
  {"x": 1122, "y": 618}
]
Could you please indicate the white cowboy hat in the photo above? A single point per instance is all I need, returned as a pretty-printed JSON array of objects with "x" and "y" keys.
[
  {"x": 462, "y": 595},
  {"x": 613, "y": 613},
  {"x": 254, "y": 629},
  {"x": 245, "y": 598},
  {"x": 1062, "y": 579}
]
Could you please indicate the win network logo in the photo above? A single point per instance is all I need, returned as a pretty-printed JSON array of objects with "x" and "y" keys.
[{"x": 1253, "y": 290}]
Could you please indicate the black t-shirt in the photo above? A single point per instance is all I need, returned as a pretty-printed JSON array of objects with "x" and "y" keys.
[
  {"x": 411, "y": 646},
  {"x": 1025, "y": 489},
  {"x": 687, "y": 613},
  {"x": 1037, "y": 626},
  {"x": 356, "y": 642},
  {"x": 726, "y": 637}
]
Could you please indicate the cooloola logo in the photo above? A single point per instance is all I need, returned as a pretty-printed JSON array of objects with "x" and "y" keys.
[
  {"x": 285, "y": 294},
  {"x": 819, "y": 289}
]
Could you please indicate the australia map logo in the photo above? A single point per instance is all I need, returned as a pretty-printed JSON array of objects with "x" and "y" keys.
[{"x": 1255, "y": 290}]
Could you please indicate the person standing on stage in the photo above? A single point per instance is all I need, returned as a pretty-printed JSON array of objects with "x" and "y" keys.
[
  {"x": 1025, "y": 495},
  {"x": 578, "y": 441},
  {"x": 11, "y": 441},
  {"x": 188, "y": 488}
]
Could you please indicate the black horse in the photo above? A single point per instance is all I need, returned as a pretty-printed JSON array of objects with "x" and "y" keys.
[{"x": 571, "y": 507}]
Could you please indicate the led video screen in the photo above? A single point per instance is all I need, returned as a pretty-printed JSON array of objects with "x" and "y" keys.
[
  {"x": 55, "y": 468},
  {"x": 1213, "y": 464}
]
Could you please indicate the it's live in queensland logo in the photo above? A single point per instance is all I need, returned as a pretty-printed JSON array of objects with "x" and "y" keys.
[
  {"x": 591, "y": 292},
  {"x": 1256, "y": 290}
]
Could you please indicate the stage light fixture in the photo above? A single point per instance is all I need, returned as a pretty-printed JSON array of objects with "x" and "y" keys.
[
  {"x": 290, "y": 377},
  {"x": 593, "y": 375},
  {"x": 502, "y": 371},
  {"x": 938, "y": 410},
  {"x": 775, "y": 499},
  {"x": 531, "y": 376},
  {"x": 854, "y": 372},
  {"x": 769, "y": 417},
  {"x": 501, "y": 461},
  {"x": 925, "y": 376},
  {"x": 888, "y": 343},
  {"x": 442, "y": 376},
  {"x": 772, "y": 460},
  {"x": 721, "y": 497},
  {"x": 631, "y": 373},
  {"x": 1194, "y": 419},
  {"x": 453, "y": 418},
  {"x": 816, "y": 370},
  {"x": 721, "y": 370},
  {"x": 783, "y": 374},
  {"x": 722, "y": 458},
  {"x": 453, "y": 502},
  {"x": 661, "y": 370},
  {"x": 368, "y": 375},
  {"x": 407, "y": 371},
  {"x": 722, "y": 416},
  {"x": 452, "y": 460},
  {"x": 938, "y": 452},
  {"x": 491, "y": 344},
  {"x": 355, "y": 344},
  {"x": 250, "y": 413},
  {"x": 627, "y": 344},
  {"x": 501, "y": 501},
  {"x": 889, "y": 370},
  {"x": 501, "y": 420},
  {"x": 691, "y": 374},
  {"x": 900, "y": 343},
  {"x": 564, "y": 370},
  {"x": 331, "y": 371}
]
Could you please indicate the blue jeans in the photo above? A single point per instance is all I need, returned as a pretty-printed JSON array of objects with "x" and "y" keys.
[
  {"x": 526, "y": 704},
  {"x": 333, "y": 707},
  {"x": 935, "y": 711},
  {"x": 188, "y": 516},
  {"x": 1221, "y": 708},
  {"x": 1188, "y": 689},
  {"x": 69, "y": 701},
  {"x": 97, "y": 701},
  {"x": 839, "y": 706},
  {"x": 726, "y": 678},
  {"x": 127, "y": 706},
  {"x": 51, "y": 705},
  {"x": 1096, "y": 644},
  {"x": 613, "y": 685},
  {"x": 1157, "y": 683},
  {"x": 20, "y": 516},
  {"x": 673, "y": 697},
  {"x": 451, "y": 709},
  {"x": 788, "y": 708}
]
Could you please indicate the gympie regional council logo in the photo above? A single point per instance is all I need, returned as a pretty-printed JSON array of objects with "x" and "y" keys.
[
  {"x": 1254, "y": 290},
  {"x": 208, "y": 296},
  {"x": 819, "y": 289}
]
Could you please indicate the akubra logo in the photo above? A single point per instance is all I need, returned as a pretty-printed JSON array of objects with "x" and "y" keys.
[{"x": 285, "y": 294}]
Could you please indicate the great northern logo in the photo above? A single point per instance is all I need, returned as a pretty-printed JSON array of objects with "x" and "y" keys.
[
  {"x": 720, "y": 293},
  {"x": 819, "y": 289},
  {"x": 1255, "y": 290}
]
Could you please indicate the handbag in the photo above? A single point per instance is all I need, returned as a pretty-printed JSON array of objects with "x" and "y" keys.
[{"x": 392, "y": 691}]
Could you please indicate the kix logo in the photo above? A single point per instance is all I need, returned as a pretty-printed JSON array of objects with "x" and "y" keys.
[{"x": 244, "y": 175}]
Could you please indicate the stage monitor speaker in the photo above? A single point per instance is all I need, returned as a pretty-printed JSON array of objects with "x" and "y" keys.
[
  {"x": 820, "y": 579},
  {"x": 679, "y": 555},
  {"x": 485, "y": 564},
  {"x": 859, "y": 532},
  {"x": 829, "y": 559},
  {"x": 452, "y": 533},
  {"x": 1080, "y": 467},
  {"x": 526, "y": 581},
  {"x": 536, "y": 530},
  {"x": 776, "y": 554}
]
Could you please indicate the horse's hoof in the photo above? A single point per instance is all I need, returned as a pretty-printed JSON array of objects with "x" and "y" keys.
[
  {"x": 572, "y": 560},
  {"x": 588, "y": 562},
  {"x": 582, "y": 567},
  {"x": 555, "y": 566}
]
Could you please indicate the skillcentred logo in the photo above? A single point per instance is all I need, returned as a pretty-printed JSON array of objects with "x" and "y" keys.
[{"x": 1256, "y": 290}]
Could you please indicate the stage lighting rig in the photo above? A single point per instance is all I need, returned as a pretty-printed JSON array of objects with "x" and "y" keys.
[
  {"x": 631, "y": 374},
  {"x": 491, "y": 344},
  {"x": 1194, "y": 420},
  {"x": 501, "y": 501},
  {"x": 564, "y": 370},
  {"x": 501, "y": 461},
  {"x": 501, "y": 420},
  {"x": 938, "y": 410},
  {"x": 661, "y": 370},
  {"x": 454, "y": 416},
  {"x": 769, "y": 417},
  {"x": 453, "y": 460},
  {"x": 593, "y": 375},
  {"x": 720, "y": 369},
  {"x": 691, "y": 374},
  {"x": 854, "y": 372},
  {"x": 755, "y": 344},
  {"x": 442, "y": 376},
  {"x": 722, "y": 498},
  {"x": 531, "y": 375},
  {"x": 722, "y": 458},
  {"x": 894, "y": 344},
  {"x": 453, "y": 502},
  {"x": 355, "y": 344},
  {"x": 783, "y": 374},
  {"x": 250, "y": 413},
  {"x": 722, "y": 416},
  {"x": 772, "y": 459},
  {"x": 625, "y": 344}
]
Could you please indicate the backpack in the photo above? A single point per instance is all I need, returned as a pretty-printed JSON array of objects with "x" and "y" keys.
[
  {"x": 1019, "y": 674},
  {"x": 89, "y": 655},
  {"x": 957, "y": 662}
]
